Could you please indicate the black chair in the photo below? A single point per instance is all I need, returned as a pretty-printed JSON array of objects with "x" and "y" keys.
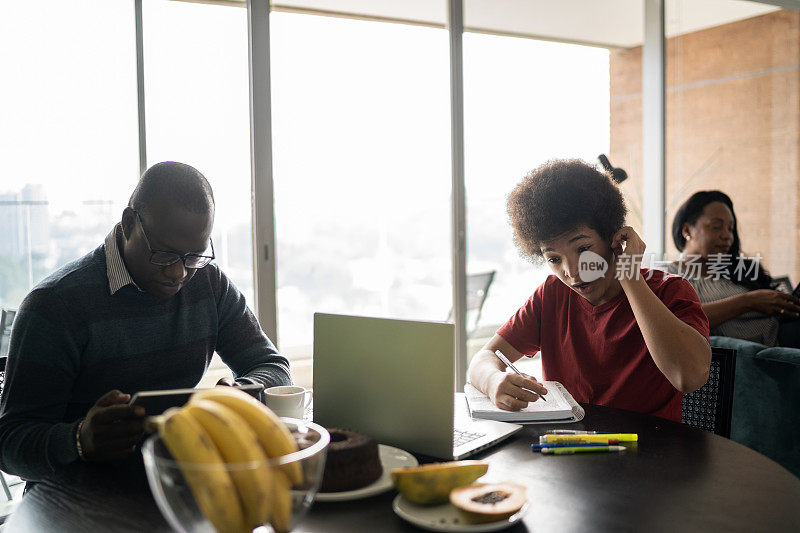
[
  {"x": 6, "y": 320},
  {"x": 710, "y": 406},
  {"x": 477, "y": 291},
  {"x": 3, "y": 480}
]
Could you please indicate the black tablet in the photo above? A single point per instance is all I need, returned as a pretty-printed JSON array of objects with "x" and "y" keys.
[
  {"x": 782, "y": 284},
  {"x": 796, "y": 291},
  {"x": 156, "y": 402}
]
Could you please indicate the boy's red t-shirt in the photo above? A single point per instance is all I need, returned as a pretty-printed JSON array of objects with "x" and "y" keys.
[{"x": 598, "y": 352}]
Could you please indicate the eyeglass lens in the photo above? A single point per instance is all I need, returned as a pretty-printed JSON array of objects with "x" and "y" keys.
[{"x": 191, "y": 261}]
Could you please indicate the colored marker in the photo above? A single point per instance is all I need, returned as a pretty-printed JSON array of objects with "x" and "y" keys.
[
  {"x": 582, "y": 449},
  {"x": 570, "y": 432},
  {"x": 538, "y": 447},
  {"x": 579, "y": 442},
  {"x": 599, "y": 437}
]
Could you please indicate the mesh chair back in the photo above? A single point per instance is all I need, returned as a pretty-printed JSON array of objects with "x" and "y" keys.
[
  {"x": 477, "y": 291},
  {"x": 6, "y": 319},
  {"x": 710, "y": 406}
]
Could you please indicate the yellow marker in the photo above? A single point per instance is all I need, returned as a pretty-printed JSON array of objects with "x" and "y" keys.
[{"x": 607, "y": 438}]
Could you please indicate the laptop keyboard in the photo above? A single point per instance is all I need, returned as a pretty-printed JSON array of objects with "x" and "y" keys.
[{"x": 461, "y": 437}]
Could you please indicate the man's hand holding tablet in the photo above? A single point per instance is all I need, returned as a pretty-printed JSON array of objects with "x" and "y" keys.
[
  {"x": 111, "y": 429},
  {"x": 115, "y": 424}
]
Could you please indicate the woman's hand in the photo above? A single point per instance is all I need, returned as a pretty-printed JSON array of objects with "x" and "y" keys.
[
  {"x": 770, "y": 302},
  {"x": 512, "y": 392}
]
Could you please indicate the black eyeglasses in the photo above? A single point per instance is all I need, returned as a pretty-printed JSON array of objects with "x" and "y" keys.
[{"x": 167, "y": 258}]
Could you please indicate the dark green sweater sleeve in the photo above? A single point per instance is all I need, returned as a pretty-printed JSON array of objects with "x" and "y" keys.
[
  {"x": 42, "y": 364},
  {"x": 242, "y": 344}
]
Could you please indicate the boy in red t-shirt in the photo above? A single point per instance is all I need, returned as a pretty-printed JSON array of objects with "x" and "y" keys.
[{"x": 624, "y": 337}]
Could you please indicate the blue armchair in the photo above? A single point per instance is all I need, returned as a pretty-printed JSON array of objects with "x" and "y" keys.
[{"x": 766, "y": 400}]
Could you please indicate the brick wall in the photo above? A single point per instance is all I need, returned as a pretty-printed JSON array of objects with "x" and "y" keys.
[{"x": 732, "y": 124}]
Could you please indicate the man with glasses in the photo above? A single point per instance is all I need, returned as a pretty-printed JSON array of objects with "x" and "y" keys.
[{"x": 144, "y": 311}]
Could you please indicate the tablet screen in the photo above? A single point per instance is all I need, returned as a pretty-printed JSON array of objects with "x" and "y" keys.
[{"x": 157, "y": 401}]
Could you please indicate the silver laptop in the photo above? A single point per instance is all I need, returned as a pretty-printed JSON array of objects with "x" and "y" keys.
[{"x": 395, "y": 380}]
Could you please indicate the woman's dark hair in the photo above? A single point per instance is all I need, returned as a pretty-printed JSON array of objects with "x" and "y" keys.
[
  {"x": 690, "y": 211},
  {"x": 560, "y": 196}
]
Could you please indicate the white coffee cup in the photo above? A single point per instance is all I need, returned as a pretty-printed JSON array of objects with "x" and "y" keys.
[{"x": 288, "y": 400}]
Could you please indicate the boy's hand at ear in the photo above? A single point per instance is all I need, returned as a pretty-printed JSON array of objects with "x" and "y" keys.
[
  {"x": 632, "y": 252},
  {"x": 634, "y": 245}
]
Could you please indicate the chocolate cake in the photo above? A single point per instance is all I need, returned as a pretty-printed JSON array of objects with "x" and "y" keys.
[{"x": 352, "y": 461}]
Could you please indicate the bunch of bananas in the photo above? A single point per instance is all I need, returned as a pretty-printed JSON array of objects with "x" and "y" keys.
[{"x": 220, "y": 426}]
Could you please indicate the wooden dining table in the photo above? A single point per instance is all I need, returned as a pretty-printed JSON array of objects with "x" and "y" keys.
[{"x": 677, "y": 478}]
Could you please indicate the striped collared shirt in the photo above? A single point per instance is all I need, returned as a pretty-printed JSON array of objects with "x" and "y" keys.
[{"x": 118, "y": 275}]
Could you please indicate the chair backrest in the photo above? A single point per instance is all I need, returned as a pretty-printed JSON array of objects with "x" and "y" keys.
[
  {"x": 477, "y": 291},
  {"x": 766, "y": 417},
  {"x": 710, "y": 407},
  {"x": 6, "y": 320}
]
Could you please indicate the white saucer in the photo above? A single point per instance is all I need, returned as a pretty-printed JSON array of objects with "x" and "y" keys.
[
  {"x": 390, "y": 457},
  {"x": 445, "y": 517}
]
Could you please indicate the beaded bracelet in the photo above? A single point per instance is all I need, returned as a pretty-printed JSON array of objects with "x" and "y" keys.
[{"x": 78, "y": 440}]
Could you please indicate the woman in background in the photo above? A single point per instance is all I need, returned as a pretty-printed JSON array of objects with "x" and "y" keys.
[{"x": 735, "y": 291}]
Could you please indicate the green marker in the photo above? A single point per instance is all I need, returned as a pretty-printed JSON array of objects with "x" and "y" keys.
[{"x": 582, "y": 449}]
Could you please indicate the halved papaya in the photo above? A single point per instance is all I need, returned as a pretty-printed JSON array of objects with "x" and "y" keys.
[
  {"x": 431, "y": 483},
  {"x": 488, "y": 502}
]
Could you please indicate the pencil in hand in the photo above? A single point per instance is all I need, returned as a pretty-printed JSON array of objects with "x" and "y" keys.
[{"x": 508, "y": 363}]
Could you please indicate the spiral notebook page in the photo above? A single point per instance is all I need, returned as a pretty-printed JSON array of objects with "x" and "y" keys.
[{"x": 557, "y": 407}]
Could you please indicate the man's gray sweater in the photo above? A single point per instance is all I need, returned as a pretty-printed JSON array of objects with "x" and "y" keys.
[{"x": 73, "y": 341}]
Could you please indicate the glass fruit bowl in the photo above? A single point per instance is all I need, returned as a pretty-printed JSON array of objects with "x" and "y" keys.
[{"x": 294, "y": 479}]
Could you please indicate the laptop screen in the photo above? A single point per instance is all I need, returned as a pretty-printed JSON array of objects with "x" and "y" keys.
[{"x": 390, "y": 379}]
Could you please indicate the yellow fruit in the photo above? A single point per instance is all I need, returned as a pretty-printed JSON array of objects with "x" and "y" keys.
[
  {"x": 237, "y": 443},
  {"x": 272, "y": 433},
  {"x": 204, "y": 470},
  {"x": 431, "y": 483},
  {"x": 281, "y": 502}
]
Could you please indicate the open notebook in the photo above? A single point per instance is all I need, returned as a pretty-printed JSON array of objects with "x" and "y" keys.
[{"x": 559, "y": 406}]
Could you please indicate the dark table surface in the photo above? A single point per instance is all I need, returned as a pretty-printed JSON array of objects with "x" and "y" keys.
[{"x": 677, "y": 478}]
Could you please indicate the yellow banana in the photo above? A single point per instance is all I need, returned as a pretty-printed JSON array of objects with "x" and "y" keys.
[
  {"x": 237, "y": 443},
  {"x": 204, "y": 470},
  {"x": 272, "y": 433},
  {"x": 432, "y": 483},
  {"x": 281, "y": 502}
]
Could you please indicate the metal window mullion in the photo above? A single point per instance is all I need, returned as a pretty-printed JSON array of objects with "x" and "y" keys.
[
  {"x": 137, "y": 8},
  {"x": 262, "y": 192},
  {"x": 459, "y": 230},
  {"x": 654, "y": 127}
]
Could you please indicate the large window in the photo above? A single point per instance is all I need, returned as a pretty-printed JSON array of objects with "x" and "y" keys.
[
  {"x": 197, "y": 105},
  {"x": 361, "y": 136},
  {"x": 68, "y": 131},
  {"x": 526, "y": 101},
  {"x": 362, "y": 171}
]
